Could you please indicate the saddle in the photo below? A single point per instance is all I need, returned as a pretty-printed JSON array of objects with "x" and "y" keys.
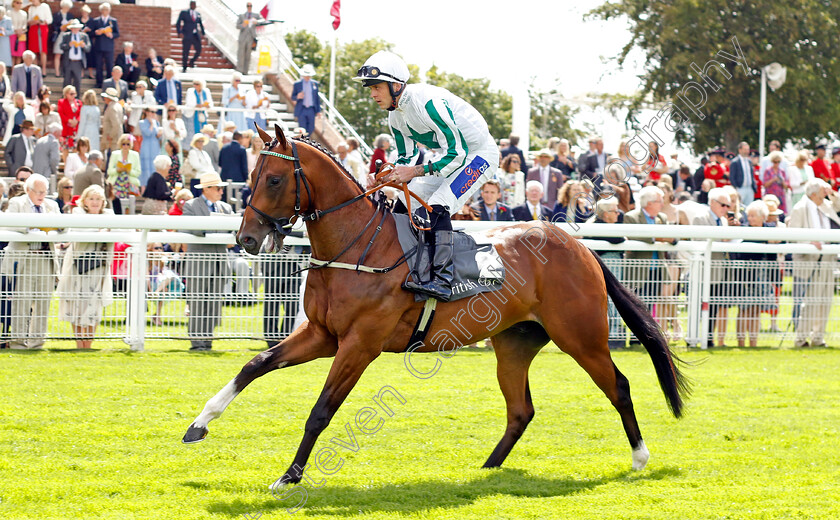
[{"x": 478, "y": 268}]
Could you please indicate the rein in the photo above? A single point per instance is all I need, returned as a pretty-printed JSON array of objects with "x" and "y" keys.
[{"x": 283, "y": 225}]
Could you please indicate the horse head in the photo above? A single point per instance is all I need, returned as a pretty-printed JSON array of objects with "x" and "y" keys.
[{"x": 276, "y": 195}]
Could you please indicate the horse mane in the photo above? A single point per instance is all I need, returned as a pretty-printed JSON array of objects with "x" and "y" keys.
[{"x": 321, "y": 148}]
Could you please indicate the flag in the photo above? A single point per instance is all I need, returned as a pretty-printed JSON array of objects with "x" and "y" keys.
[
  {"x": 336, "y": 14},
  {"x": 267, "y": 11}
]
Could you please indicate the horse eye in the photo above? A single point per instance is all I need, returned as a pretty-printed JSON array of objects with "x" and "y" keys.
[{"x": 274, "y": 181}]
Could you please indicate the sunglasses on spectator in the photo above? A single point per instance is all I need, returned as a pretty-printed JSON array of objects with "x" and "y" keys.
[
  {"x": 68, "y": 187},
  {"x": 723, "y": 204},
  {"x": 158, "y": 248},
  {"x": 126, "y": 144}
]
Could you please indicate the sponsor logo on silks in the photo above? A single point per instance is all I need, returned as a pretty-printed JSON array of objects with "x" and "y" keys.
[{"x": 468, "y": 176}]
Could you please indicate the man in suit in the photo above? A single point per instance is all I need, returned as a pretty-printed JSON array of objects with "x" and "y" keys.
[
  {"x": 117, "y": 83},
  {"x": 813, "y": 274},
  {"x": 113, "y": 118},
  {"x": 595, "y": 161},
  {"x": 91, "y": 173},
  {"x": 305, "y": 97},
  {"x": 190, "y": 28},
  {"x": 247, "y": 24},
  {"x": 168, "y": 89},
  {"x": 212, "y": 145},
  {"x": 233, "y": 160},
  {"x": 513, "y": 147},
  {"x": 48, "y": 152},
  {"x": 741, "y": 174},
  {"x": 532, "y": 209},
  {"x": 33, "y": 266},
  {"x": 583, "y": 160},
  {"x": 205, "y": 274},
  {"x": 105, "y": 30},
  {"x": 27, "y": 77},
  {"x": 20, "y": 150},
  {"x": 75, "y": 45},
  {"x": 127, "y": 61},
  {"x": 717, "y": 215},
  {"x": 552, "y": 179},
  {"x": 488, "y": 207}
]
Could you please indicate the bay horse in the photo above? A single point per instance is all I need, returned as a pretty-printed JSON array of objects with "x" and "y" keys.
[{"x": 555, "y": 292}]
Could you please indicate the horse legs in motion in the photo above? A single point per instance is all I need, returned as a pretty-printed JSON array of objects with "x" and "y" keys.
[{"x": 305, "y": 344}]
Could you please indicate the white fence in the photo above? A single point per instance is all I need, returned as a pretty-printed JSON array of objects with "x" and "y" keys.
[{"x": 147, "y": 294}]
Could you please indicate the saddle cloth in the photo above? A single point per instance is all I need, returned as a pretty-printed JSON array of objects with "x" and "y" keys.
[{"x": 478, "y": 268}]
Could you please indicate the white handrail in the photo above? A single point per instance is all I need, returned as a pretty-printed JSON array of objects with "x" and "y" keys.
[{"x": 222, "y": 224}]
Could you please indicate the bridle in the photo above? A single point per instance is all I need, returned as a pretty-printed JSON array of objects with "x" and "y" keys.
[{"x": 284, "y": 225}]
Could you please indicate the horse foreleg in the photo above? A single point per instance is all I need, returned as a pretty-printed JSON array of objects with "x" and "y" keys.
[
  {"x": 305, "y": 344},
  {"x": 350, "y": 362},
  {"x": 515, "y": 349}
]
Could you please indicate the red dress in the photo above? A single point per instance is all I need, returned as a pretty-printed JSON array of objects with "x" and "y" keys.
[
  {"x": 821, "y": 170},
  {"x": 651, "y": 164},
  {"x": 378, "y": 154},
  {"x": 835, "y": 175},
  {"x": 68, "y": 110},
  {"x": 38, "y": 36},
  {"x": 718, "y": 173}
]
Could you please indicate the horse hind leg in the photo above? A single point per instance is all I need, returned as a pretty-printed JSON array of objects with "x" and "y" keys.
[
  {"x": 515, "y": 348},
  {"x": 588, "y": 347},
  {"x": 303, "y": 345}
]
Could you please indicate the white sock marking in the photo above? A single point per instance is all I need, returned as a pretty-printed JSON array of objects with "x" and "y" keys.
[
  {"x": 216, "y": 405},
  {"x": 640, "y": 457}
]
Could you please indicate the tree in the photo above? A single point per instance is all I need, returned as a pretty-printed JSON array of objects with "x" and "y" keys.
[
  {"x": 306, "y": 48},
  {"x": 496, "y": 106},
  {"x": 549, "y": 118},
  {"x": 799, "y": 34}
]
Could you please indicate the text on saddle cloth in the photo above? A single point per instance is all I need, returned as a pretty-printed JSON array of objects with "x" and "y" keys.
[{"x": 478, "y": 268}]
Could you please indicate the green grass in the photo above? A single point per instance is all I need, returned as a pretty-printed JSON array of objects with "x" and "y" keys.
[{"x": 96, "y": 435}]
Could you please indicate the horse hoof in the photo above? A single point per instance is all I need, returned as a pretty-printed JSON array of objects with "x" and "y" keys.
[
  {"x": 282, "y": 483},
  {"x": 195, "y": 434}
]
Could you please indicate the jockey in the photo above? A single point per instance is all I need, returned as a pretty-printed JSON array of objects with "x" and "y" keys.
[{"x": 442, "y": 121}]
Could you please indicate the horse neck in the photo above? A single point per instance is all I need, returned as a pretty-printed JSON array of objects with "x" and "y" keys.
[{"x": 331, "y": 233}]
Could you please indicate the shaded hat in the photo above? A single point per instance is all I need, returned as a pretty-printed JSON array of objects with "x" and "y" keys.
[
  {"x": 819, "y": 147},
  {"x": 718, "y": 151},
  {"x": 208, "y": 180},
  {"x": 26, "y": 124},
  {"x": 199, "y": 137},
  {"x": 75, "y": 24},
  {"x": 111, "y": 93},
  {"x": 86, "y": 9},
  {"x": 545, "y": 152},
  {"x": 835, "y": 151},
  {"x": 208, "y": 128},
  {"x": 773, "y": 206},
  {"x": 307, "y": 70}
]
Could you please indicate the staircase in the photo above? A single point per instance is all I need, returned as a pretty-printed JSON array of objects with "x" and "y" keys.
[{"x": 210, "y": 57}]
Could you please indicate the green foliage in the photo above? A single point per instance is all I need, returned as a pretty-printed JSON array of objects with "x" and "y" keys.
[
  {"x": 550, "y": 118},
  {"x": 496, "y": 106},
  {"x": 798, "y": 34},
  {"x": 306, "y": 48},
  {"x": 96, "y": 435}
]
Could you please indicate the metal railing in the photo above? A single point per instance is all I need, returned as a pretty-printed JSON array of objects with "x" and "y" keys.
[{"x": 695, "y": 292}]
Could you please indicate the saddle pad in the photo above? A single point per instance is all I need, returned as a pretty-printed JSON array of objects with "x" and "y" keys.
[{"x": 478, "y": 268}]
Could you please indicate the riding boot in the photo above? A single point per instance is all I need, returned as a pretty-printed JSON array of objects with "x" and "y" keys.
[{"x": 439, "y": 285}]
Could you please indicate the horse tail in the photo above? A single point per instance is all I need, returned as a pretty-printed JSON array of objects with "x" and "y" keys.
[{"x": 674, "y": 384}]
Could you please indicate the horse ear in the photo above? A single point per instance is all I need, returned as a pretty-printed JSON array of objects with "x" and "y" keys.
[
  {"x": 263, "y": 135},
  {"x": 281, "y": 136}
]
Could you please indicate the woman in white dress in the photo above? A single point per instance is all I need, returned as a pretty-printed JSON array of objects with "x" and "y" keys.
[
  {"x": 200, "y": 162},
  {"x": 799, "y": 174},
  {"x": 173, "y": 126},
  {"x": 84, "y": 286},
  {"x": 90, "y": 120},
  {"x": 140, "y": 96},
  {"x": 196, "y": 99},
  {"x": 77, "y": 159}
]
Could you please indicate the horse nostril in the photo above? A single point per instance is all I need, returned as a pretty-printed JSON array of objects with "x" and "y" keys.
[{"x": 247, "y": 242}]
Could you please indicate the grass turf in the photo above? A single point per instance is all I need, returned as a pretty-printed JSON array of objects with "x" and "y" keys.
[{"x": 88, "y": 435}]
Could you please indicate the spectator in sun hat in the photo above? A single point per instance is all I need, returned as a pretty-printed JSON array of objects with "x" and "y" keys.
[
  {"x": 305, "y": 97},
  {"x": 552, "y": 179},
  {"x": 206, "y": 267}
]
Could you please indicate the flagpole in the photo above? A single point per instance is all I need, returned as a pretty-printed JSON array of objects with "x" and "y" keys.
[{"x": 332, "y": 74}]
